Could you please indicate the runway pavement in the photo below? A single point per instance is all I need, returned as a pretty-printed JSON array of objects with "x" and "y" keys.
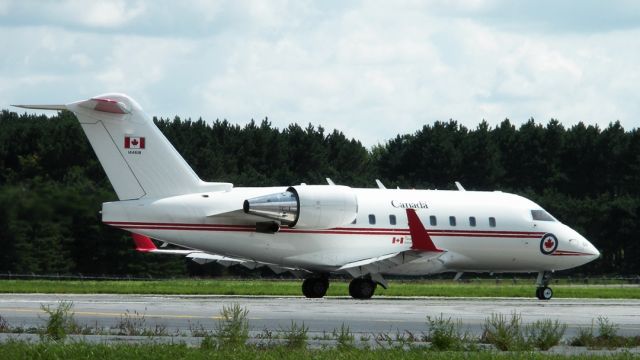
[{"x": 378, "y": 315}]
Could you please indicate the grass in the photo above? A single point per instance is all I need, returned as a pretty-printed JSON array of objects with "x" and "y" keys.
[
  {"x": 60, "y": 321},
  {"x": 296, "y": 335},
  {"x": 232, "y": 330},
  {"x": 607, "y": 337},
  {"x": 337, "y": 288},
  {"x": 447, "y": 334},
  {"x": 505, "y": 333},
  {"x": 79, "y": 350},
  {"x": 231, "y": 335}
]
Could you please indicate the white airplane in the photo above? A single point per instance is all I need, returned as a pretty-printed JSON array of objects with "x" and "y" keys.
[{"x": 315, "y": 230}]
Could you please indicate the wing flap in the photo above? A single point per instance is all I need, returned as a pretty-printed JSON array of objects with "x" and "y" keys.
[{"x": 366, "y": 261}]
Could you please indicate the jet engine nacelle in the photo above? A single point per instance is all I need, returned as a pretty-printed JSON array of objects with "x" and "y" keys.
[{"x": 307, "y": 206}]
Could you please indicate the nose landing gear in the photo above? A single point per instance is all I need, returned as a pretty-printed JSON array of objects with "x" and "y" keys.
[{"x": 543, "y": 291}]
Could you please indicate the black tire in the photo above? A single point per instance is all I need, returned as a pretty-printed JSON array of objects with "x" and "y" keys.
[
  {"x": 315, "y": 288},
  {"x": 546, "y": 293},
  {"x": 361, "y": 288}
]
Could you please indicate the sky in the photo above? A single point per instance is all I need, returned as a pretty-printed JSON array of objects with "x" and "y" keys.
[{"x": 371, "y": 69}]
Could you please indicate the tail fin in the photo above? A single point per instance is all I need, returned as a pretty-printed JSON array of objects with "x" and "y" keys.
[{"x": 137, "y": 157}]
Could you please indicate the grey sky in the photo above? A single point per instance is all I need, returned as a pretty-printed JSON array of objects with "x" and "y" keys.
[{"x": 371, "y": 69}]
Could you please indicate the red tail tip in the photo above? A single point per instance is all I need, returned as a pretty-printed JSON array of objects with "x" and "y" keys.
[{"x": 143, "y": 243}]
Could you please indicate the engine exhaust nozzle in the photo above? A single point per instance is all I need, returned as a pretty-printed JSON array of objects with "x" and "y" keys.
[{"x": 283, "y": 207}]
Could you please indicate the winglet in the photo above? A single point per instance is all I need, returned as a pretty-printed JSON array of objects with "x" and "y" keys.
[
  {"x": 420, "y": 239},
  {"x": 143, "y": 243}
]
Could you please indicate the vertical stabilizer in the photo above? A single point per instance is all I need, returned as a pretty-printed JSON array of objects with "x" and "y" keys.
[{"x": 136, "y": 156}]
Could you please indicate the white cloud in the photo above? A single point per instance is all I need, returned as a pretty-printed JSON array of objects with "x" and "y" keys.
[
  {"x": 80, "y": 59},
  {"x": 4, "y": 7},
  {"x": 104, "y": 13},
  {"x": 372, "y": 69}
]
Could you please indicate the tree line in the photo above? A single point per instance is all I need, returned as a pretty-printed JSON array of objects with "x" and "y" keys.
[{"x": 52, "y": 185}]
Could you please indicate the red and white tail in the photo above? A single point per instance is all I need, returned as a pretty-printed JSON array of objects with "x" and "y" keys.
[{"x": 136, "y": 156}]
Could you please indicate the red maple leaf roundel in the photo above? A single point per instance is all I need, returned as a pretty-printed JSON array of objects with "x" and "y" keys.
[{"x": 548, "y": 243}]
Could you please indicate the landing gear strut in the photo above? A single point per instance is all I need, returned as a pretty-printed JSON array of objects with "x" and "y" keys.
[
  {"x": 315, "y": 287},
  {"x": 543, "y": 291},
  {"x": 362, "y": 288}
]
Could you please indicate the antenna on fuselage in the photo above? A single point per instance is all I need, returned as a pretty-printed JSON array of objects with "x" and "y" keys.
[
  {"x": 380, "y": 184},
  {"x": 459, "y": 186}
]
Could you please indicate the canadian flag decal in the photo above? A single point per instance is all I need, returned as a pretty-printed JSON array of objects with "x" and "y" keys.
[{"x": 131, "y": 142}]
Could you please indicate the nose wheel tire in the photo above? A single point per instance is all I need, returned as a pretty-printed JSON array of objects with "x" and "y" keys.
[
  {"x": 360, "y": 288},
  {"x": 544, "y": 293},
  {"x": 315, "y": 287}
]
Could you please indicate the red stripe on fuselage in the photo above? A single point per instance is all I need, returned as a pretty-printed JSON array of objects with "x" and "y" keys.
[
  {"x": 334, "y": 231},
  {"x": 570, "y": 253}
]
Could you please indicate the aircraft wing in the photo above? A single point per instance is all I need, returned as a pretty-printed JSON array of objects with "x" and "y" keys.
[
  {"x": 145, "y": 244},
  {"x": 422, "y": 247}
]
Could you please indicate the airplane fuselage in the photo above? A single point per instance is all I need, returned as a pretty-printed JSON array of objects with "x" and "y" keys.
[{"x": 482, "y": 231}]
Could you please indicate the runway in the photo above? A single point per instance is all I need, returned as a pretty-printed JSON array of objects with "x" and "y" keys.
[{"x": 378, "y": 315}]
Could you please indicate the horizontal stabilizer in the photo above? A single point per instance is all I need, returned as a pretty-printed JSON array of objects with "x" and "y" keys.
[{"x": 43, "y": 107}]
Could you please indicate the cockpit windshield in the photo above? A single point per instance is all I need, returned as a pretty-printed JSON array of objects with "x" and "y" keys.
[{"x": 541, "y": 215}]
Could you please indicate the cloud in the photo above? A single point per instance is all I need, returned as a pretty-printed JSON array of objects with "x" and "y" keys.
[
  {"x": 371, "y": 69},
  {"x": 548, "y": 16},
  {"x": 103, "y": 13},
  {"x": 107, "y": 14}
]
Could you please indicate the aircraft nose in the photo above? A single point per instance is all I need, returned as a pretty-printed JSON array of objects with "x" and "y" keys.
[
  {"x": 587, "y": 248},
  {"x": 593, "y": 250}
]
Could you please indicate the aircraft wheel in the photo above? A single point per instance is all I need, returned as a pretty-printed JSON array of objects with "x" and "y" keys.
[
  {"x": 315, "y": 287},
  {"x": 544, "y": 293},
  {"x": 361, "y": 288}
]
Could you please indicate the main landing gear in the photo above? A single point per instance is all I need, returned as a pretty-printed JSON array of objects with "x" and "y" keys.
[
  {"x": 359, "y": 288},
  {"x": 543, "y": 291},
  {"x": 362, "y": 288},
  {"x": 315, "y": 287}
]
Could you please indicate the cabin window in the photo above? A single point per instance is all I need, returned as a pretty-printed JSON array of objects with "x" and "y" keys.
[
  {"x": 452, "y": 220},
  {"x": 472, "y": 221},
  {"x": 392, "y": 219},
  {"x": 492, "y": 222},
  {"x": 541, "y": 215},
  {"x": 372, "y": 219},
  {"x": 432, "y": 220}
]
